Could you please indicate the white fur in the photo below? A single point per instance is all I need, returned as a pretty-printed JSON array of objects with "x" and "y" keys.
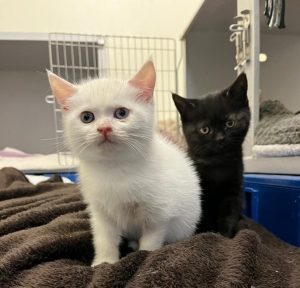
[{"x": 140, "y": 186}]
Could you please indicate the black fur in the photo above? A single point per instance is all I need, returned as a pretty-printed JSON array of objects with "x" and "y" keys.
[{"x": 218, "y": 154}]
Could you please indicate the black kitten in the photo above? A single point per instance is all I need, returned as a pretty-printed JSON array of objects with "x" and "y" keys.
[{"x": 215, "y": 127}]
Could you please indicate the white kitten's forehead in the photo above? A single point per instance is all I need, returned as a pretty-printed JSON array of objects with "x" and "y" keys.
[{"x": 105, "y": 92}]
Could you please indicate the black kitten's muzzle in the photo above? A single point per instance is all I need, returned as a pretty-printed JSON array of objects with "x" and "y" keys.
[{"x": 220, "y": 138}]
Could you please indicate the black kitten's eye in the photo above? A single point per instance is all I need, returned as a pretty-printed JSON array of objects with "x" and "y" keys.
[
  {"x": 204, "y": 130},
  {"x": 121, "y": 113},
  {"x": 87, "y": 117},
  {"x": 230, "y": 123}
]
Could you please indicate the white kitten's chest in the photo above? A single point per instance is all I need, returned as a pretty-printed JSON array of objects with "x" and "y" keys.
[
  {"x": 119, "y": 196},
  {"x": 126, "y": 211},
  {"x": 131, "y": 217}
]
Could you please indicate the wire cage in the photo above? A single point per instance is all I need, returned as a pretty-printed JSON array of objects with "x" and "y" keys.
[{"x": 75, "y": 57}]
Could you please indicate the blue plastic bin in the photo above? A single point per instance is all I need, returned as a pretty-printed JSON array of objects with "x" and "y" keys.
[
  {"x": 274, "y": 202},
  {"x": 73, "y": 176}
]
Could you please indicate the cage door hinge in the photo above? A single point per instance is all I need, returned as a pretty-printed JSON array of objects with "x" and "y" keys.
[{"x": 240, "y": 35}]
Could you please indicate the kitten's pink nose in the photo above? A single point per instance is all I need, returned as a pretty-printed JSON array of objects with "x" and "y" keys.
[{"x": 104, "y": 130}]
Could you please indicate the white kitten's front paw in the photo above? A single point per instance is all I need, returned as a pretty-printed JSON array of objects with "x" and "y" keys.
[{"x": 100, "y": 260}]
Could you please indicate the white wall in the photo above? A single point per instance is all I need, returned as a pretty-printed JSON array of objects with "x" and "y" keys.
[
  {"x": 210, "y": 62},
  {"x": 280, "y": 78},
  {"x": 163, "y": 18}
]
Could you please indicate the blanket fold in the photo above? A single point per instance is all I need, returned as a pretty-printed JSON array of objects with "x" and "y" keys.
[{"x": 45, "y": 241}]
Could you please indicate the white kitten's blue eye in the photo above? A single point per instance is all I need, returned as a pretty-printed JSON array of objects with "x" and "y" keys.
[
  {"x": 121, "y": 113},
  {"x": 87, "y": 117}
]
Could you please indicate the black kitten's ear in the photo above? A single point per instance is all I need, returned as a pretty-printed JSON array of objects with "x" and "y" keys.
[
  {"x": 179, "y": 102},
  {"x": 238, "y": 90},
  {"x": 182, "y": 104}
]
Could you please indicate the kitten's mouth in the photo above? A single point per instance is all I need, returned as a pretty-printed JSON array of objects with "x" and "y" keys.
[{"x": 106, "y": 140}]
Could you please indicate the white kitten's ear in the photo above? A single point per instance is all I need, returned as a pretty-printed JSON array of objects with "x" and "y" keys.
[
  {"x": 61, "y": 89},
  {"x": 144, "y": 80}
]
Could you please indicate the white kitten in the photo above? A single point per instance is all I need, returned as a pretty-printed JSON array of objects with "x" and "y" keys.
[{"x": 135, "y": 183}]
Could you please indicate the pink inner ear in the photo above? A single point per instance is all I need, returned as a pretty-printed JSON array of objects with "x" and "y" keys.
[
  {"x": 61, "y": 89},
  {"x": 144, "y": 80}
]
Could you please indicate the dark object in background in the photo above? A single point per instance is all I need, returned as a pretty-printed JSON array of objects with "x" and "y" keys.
[
  {"x": 215, "y": 127},
  {"x": 275, "y": 12}
]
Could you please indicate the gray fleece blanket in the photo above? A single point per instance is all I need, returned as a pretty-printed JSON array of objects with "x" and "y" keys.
[
  {"x": 45, "y": 241},
  {"x": 277, "y": 125}
]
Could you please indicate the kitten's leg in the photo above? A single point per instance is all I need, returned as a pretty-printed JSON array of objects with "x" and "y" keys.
[
  {"x": 228, "y": 222},
  {"x": 227, "y": 227},
  {"x": 106, "y": 239},
  {"x": 153, "y": 238}
]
